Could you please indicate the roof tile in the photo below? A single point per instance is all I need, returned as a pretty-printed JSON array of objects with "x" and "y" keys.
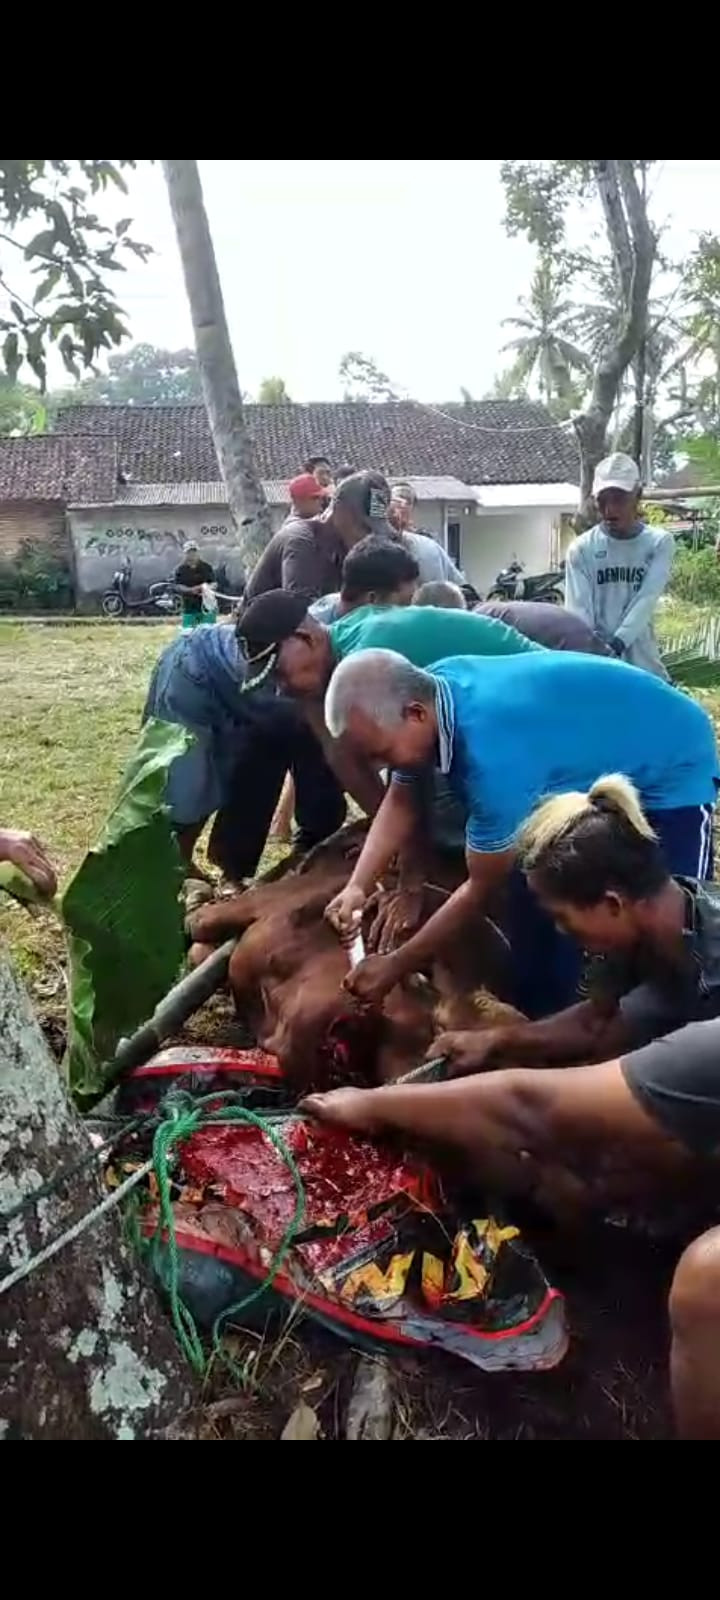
[
  {"x": 56, "y": 467},
  {"x": 483, "y": 441}
]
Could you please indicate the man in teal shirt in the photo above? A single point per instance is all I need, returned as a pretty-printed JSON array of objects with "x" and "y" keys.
[{"x": 280, "y": 637}]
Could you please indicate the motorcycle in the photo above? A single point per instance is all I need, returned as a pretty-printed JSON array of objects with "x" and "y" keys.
[
  {"x": 117, "y": 602},
  {"x": 511, "y": 584}
]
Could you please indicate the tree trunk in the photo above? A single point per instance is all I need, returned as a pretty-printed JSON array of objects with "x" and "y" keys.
[
  {"x": 632, "y": 244},
  {"x": 85, "y": 1350},
  {"x": 246, "y": 497}
]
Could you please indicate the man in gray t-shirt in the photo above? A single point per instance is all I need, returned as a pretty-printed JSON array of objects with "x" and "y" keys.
[{"x": 617, "y": 571}]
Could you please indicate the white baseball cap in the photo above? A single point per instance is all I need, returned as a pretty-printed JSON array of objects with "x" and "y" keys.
[{"x": 616, "y": 472}]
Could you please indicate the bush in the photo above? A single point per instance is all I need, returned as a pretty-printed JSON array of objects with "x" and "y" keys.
[
  {"x": 35, "y": 580},
  {"x": 696, "y": 575}
]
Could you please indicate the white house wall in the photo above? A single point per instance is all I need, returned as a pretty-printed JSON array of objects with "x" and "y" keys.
[
  {"x": 153, "y": 538},
  {"x": 490, "y": 542}
]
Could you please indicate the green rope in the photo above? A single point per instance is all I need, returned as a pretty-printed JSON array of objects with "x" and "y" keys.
[{"x": 187, "y": 1116}]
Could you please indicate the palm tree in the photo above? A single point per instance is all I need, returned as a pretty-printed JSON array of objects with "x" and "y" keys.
[
  {"x": 544, "y": 348},
  {"x": 702, "y": 325},
  {"x": 216, "y": 363}
]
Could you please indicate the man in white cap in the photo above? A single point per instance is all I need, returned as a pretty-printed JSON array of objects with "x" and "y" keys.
[
  {"x": 191, "y": 577},
  {"x": 617, "y": 571}
]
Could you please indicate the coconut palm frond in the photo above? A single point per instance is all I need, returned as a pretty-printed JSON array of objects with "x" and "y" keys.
[
  {"x": 572, "y": 355},
  {"x": 693, "y": 661}
]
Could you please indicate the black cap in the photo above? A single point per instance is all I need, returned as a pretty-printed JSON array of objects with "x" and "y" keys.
[
  {"x": 267, "y": 622},
  {"x": 367, "y": 495}
]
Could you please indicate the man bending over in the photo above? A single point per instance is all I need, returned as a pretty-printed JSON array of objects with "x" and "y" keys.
[{"x": 507, "y": 731}]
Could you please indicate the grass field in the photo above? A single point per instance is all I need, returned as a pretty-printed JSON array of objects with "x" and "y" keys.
[{"x": 70, "y": 709}]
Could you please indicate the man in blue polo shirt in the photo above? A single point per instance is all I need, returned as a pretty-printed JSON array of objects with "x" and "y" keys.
[{"x": 508, "y": 731}]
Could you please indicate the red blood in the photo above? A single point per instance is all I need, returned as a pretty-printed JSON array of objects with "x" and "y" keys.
[
  {"x": 321, "y": 1254},
  {"x": 341, "y": 1175}
]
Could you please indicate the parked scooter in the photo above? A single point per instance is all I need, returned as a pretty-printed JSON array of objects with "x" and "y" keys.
[
  {"x": 511, "y": 584},
  {"x": 117, "y": 601}
]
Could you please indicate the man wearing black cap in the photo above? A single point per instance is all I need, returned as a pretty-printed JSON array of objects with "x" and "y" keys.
[
  {"x": 244, "y": 743},
  {"x": 306, "y": 555},
  {"x": 283, "y": 642}
]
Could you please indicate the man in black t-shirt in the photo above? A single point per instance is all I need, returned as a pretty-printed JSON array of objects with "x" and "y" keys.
[{"x": 192, "y": 573}]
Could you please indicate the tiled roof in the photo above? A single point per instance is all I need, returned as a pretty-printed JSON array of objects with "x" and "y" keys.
[
  {"x": 484, "y": 441},
  {"x": 441, "y": 489},
  {"x": 171, "y": 494},
  {"x": 277, "y": 492},
  {"x": 55, "y": 467}
]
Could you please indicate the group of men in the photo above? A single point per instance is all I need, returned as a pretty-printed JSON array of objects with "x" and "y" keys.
[
  {"x": 580, "y": 789},
  {"x": 496, "y": 735}
]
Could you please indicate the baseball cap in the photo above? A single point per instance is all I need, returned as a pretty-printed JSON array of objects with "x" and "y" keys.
[
  {"x": 264, "y": 625},
  {"x": 367, "y": 496},
  {"x": 305, "y": 487},
  {"x": 616, "y": 472}
]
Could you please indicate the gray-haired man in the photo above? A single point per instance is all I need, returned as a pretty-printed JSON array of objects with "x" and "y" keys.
[{"x": 508, "y": 730}]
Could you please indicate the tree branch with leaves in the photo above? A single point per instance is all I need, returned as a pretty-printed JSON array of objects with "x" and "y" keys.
[
  {"x": 538, "y": 195},
  {"x": 72, "y": 255}
]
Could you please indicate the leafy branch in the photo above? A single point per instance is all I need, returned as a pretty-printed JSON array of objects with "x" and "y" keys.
[{"x": 71, "y": 255}]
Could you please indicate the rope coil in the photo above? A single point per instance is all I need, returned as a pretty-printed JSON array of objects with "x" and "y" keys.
[{"x": 185, "y": 1116}]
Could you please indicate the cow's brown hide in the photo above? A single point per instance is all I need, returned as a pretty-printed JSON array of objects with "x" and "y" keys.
[{"x": 287, "y": 973}]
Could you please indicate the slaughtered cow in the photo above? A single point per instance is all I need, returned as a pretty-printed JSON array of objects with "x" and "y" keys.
[{"x": 287, "y": 973}]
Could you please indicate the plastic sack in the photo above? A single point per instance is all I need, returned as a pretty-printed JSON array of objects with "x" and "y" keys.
[{"x": 382, "y": 1256}]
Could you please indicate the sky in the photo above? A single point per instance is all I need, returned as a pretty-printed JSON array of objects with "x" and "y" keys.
[{"x": 407, "y": 261}]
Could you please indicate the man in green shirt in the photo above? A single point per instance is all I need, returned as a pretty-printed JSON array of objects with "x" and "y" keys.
[{"x": 280, "y": 637}]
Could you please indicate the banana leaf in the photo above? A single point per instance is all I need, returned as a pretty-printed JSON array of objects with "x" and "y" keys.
[
  {"x": 693, "y": 660},
  {"x": 122, "y": 913}
]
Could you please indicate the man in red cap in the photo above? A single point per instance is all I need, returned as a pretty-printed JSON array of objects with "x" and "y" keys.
[
  {"x": 306, "y": 555},
  {"x": 307, "y": 496}
]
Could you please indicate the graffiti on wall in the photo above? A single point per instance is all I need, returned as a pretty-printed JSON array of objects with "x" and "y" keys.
[{"x": 149, "y": 541}]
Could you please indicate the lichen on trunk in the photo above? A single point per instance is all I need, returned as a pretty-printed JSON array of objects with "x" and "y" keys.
[{"x": 85, "y": 1349}]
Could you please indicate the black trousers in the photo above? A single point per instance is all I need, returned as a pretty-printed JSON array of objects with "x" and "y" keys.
[{"x": 281, "y": 740}]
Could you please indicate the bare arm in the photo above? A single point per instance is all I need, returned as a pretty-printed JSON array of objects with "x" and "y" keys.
[
  {"x": 23, "y": 850},
  {"x": 392, "y": 828},
  {"x": 584, "y": 1032},
  {"x": 515, "y": 1111},
  {"x": 355, "y": 776}
]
